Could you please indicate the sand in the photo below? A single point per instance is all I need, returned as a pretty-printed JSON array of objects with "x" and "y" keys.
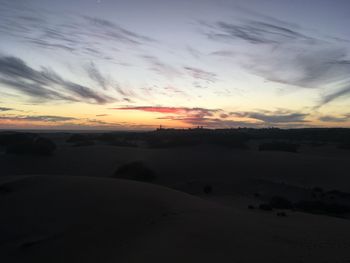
[{"x": 88, "y": 219}]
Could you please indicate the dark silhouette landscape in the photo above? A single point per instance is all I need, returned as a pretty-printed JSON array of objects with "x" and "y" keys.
[
  {"x": 195, "y": 194},
  {"x": 174, "y": 131}
]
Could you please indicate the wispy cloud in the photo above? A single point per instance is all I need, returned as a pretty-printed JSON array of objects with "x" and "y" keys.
[
  {"x": 5, "y": 109},
  {"x": 286, "y": 54},
  {"x": 45, "y": 84},
  {"x": 255, "y": 32},
  {"x": 81, "y": 35},
  {"x": 162, "y": 68},
  {"x": 216, "y": 118},
  {"x": 113, "y": 31},
  {"x": 200, "y": 74},
  {"x": 36, "y": 118},
  {"x": 335, "y": 95},
  {"x": 208, "y": 122},
  {"x": 96, "y": 75},
  {"x": 331, "y": 118},
  {"x": 172, "y": 110},
  {"x": 274, "y": 117}
]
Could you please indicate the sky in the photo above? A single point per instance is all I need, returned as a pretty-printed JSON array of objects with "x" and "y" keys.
[{"x": 138, "y": 64}]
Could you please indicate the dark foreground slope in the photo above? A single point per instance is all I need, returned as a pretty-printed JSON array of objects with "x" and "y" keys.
[{"x": 86, "y": 219}]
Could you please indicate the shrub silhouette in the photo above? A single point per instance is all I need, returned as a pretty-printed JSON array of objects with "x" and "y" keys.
[
  {"x": 265, "y": 207},
  {"x": 344, "y": 146},
  {"x": 282, "y": 214},
  {"x": 317, "y": 189},
  {"x": 136, "y": 171},
  {"x": 79, "y": 140},
  {"x": 4, "y": 189},
  {"x": 29, "y": 144},
  {"x": 83, "y": 143},
  {"x": 280, "y": 202},
  {"x": 75, "y": 138},
  {"x": 322, "y": 207},
  {"x": 208, "y": 189},
  {"x": 256, "y": 195},
  {"x": 279, "y": 146},
  {"x": 123, "y": 139},
  {"x": 43, "y": 146}
]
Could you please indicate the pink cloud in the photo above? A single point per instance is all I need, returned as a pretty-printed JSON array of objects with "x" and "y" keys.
[{"x": 173, "y": 110}]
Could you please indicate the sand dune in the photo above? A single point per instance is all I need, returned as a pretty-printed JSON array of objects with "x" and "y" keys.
[{"x": 86, "y": 219}]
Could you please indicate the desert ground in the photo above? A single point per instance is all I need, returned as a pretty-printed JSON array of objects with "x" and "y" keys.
[{"x": 206, "y": 204}]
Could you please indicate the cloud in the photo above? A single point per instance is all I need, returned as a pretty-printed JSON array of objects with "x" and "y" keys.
[
  {"x": 330, "y": 118},
  {"x": 5, "y": 109},
  {"x": 210, "y": 122},
  {"x": 37, "y": 118},
  {"x": 96, "y": 75},
  {"x": 80, "y": 35},
  {"x": 12, "y": 121},
  {"x": 172, "y": 110},
  {"x": 274, "y": 117},
  {"x": 335, "y": 95},
  {"x": 161, "y": 68},
  {"x": 223, "y": 53},
  {"x": 255, "y": 32},
  {"x": 45, "y": 84},
  {"x": 194, "y": 116},
  {"x": 342, "y": 62},
  {"x": 114, "y": 31},
  {"x": 200, "y": 74},
  {"x": 217, "y": 118},
  {"x": 194, "y": 52},
  {"x": 313, "y": 68},
  {"x": 286, "y": 54}
]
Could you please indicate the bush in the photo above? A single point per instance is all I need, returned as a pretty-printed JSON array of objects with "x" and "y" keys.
[
  {"x": 136, "y": 171},
  {"x": 43, "y": 146},
  {"x": 265, "y": 207},
  {"x": 344, "y": 146},
  {"x": 79, "y": 140},
  {"x": 282, "y": 214},
  {"x": 317, "y": 189},
  {"x": 4, "y": 189},
  {"x": 83, "y": 143},
  {"x": 279, "y": 146},
  {"x": 76, "y": 138},
  {"x": 9, "y": 139},
  {"x": 322, "y": 207},
  {"x": 208, "y": 189},
  {"x": 280, "y": 202},
  {"x": 31, "y": 145}
]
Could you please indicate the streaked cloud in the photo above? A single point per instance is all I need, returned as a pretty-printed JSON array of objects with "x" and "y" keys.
[
  {"x": 201, "y": 74},
  {"x": 274, "y": 117},
  {"x": 215, "y": 118},
  {"x": 5, "y": 109},
  {"x": 331, "y": 118},
  {"x": 73, "y": 33},
  {"x": 335, "y": 95},
  {"x": 286, "y": 54},
  {"x": 36, "y": 118},
  {"x": 45, "y": 84},
  {"x": 161, "y": 68},
  {"x": 95, "y": 74},
  {"x": 172, "y": 110},
  {"x": 255, "y": 32}
]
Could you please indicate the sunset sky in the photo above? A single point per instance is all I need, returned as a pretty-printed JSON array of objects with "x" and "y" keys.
[{"x": 131, "y": 65}]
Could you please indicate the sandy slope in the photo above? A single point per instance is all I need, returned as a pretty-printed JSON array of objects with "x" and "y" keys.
[{"x": 85, "y": 219}]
